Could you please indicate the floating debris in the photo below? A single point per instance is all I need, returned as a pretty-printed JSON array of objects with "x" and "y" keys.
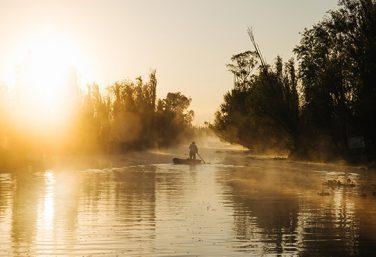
[
  {"x": 279, "y": 158},
  {"x": 323, "y": 193},
  {"x": 338, "y": 183}
]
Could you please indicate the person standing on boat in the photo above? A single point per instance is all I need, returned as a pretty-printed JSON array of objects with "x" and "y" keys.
[{"x": 193, "y": 150}]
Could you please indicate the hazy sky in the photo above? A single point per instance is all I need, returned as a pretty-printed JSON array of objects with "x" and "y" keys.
[{"x": 187, "y": 42}]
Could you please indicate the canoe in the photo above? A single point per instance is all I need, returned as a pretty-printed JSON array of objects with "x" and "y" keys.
[{"x": 186, "y": 161}]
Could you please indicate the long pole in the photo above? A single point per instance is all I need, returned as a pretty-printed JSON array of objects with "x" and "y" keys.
[{"x": 201, "y": 158}]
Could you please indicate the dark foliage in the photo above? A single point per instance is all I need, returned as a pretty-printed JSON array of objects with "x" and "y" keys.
[
  {"x": 337, "y": 61},
  {"x": 337, "y": 74},
  {"x": 261, "y": 112}
]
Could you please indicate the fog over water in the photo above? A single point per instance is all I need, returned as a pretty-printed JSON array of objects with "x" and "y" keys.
[{"x": 260, "y": 206}]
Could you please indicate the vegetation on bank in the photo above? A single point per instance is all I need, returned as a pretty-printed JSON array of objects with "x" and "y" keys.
[
  {"x": 128, "y": 116},
  {"x": 323, "y": 110},
  {"x": 132, "y": 117}
]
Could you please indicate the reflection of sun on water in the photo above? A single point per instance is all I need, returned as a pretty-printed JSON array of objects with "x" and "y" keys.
[{"x": 46, "y": 210}]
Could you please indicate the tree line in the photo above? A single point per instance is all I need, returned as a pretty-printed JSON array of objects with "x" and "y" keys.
[
  {"x": 323, "y": 110},
  {"x": 127, "y": 116},
  {"x": 131, "y": 116}
]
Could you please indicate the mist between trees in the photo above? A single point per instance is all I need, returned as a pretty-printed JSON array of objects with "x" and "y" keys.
[
  {"x": 324, "y": 110},
  {"x": 128, "y": 116}
]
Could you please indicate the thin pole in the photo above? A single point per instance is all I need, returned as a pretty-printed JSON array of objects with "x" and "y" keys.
[{"x": 201, "y": 158}]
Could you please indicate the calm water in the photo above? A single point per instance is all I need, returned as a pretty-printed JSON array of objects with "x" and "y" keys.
[{"x": 265, "y": 208}]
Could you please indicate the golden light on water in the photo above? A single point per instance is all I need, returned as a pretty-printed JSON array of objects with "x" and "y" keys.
[{"x": 47, "y": 209}]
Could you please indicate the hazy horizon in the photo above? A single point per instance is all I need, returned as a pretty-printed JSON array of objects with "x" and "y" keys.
[{"x": 188, "y": 43}]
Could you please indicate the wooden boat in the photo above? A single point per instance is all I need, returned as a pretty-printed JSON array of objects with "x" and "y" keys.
[{"x": 186, "y": 161}]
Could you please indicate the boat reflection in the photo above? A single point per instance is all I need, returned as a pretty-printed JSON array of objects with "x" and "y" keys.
[{"x": 209, "y": 210}]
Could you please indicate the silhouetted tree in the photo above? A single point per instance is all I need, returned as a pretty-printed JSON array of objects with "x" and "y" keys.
[
  {"x": 138, "y": 122},
  {"x": 261, "y": 111},
  {"x": 173, "y": 119},
  {"x": 126, "y": 117},
  {"x": 337, "y": 66},
  {"x": 337, "y": 72}
]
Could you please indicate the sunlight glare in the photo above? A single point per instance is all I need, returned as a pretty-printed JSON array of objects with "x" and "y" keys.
[
  {"x": 47, "y": 210},
  {"x": 48, "y": 79}
]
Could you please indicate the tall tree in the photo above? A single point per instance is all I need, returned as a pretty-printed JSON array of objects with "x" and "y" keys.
[{"x": 337, "y": 66}]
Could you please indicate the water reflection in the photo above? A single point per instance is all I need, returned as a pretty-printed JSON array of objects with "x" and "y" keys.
[
  {"x": 265, "y": 208},
  {"x": 282, "y": 210}
]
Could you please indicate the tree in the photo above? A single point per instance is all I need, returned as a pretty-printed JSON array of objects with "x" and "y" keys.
[
  {"x": 261, "y": 111},
  {"x": 337, "y": 64},
  {"x": 173, "y": 119}
]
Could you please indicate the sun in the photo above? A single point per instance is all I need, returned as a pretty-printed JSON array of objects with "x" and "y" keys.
[
  {"x": 47, "y": 80},
  {"x": 49, "y": 66}
]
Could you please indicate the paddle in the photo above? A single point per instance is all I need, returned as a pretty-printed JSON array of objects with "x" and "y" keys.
[{"x": 201, "y": 158}]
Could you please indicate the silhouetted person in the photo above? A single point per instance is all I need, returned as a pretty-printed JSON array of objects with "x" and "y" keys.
[{"x": 193, "y": 150}]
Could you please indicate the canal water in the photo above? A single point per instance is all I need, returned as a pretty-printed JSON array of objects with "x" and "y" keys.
[{"x": 262, "y": 207}]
